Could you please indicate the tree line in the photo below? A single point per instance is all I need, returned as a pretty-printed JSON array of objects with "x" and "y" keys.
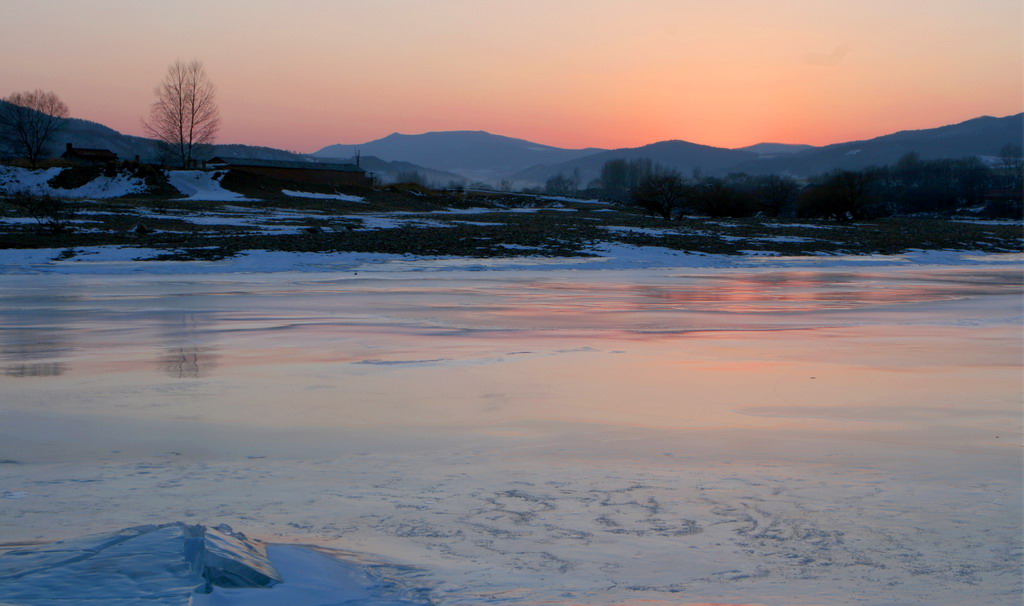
[{"x": 911, "y": 185}]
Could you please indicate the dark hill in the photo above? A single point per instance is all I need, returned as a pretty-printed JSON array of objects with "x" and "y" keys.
[
  {"x": 984, "y": 136},
  {"x": 477, "y": 155},
  {"x": 679, "y": 155}
]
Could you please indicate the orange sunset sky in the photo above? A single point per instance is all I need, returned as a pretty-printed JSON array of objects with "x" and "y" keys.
[{"x": 304, "y": 74}]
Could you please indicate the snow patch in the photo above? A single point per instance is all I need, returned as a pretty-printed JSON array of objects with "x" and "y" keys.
[
  {"x": 203, "y": 185},
  {"x": 803, "y": 226},
  {"x": 785, "y": 239},
  {"x": 573, "y": 200},
  {"x": 990, "y": 222},
  {"x": 389, "y": 221},
  {"x": 646, "y": 231},
  {"x": 316, "y": 196}
]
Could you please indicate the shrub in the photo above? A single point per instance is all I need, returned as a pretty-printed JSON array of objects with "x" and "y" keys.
[
  {"x": 75, "y": 177},
  {"x": 716, "y": 198},
  {"x": 53, "y": 214},
  {"x": 842, "y": 196}
]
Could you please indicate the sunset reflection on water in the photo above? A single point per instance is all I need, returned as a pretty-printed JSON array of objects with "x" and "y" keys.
[
  {"x": 781, "y": 291},
  {"x": 700, "y": 350}
]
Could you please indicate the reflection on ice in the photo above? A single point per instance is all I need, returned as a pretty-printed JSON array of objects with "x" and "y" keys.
[
  {"x": 188, "y": 362},
  {"x": 34, "y": 351},
  {"x": 36, "y": 369}
]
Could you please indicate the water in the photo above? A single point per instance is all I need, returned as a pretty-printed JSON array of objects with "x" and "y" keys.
[{"x": 771, "y": 436}]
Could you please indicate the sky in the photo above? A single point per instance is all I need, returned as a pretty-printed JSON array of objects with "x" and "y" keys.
[{"x": 304, "y": 74}]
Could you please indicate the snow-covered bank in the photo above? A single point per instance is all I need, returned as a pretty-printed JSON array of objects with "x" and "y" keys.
[
  {"x": 13, "y": 179},
  {"x": 610, "y": 256}
]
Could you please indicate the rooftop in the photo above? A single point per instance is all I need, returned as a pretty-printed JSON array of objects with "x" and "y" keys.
[{"x": 229, "y": 161}]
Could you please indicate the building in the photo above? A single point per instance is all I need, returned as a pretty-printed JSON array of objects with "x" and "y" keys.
[
  {"x": 88, "y": 156},
  {"x": 324, "y": 173}
]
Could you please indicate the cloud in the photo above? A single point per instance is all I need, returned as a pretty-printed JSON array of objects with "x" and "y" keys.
[{"x": 835, "y": 57}]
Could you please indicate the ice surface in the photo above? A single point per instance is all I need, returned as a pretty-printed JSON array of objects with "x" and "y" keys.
[
  {"x": 315, "y": 576},
  {"x": 629, "y": 429}
]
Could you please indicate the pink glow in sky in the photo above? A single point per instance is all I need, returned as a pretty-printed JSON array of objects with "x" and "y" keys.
[{"x": 573, "y": 73}]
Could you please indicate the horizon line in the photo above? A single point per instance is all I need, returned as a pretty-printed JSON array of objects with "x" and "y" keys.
[{"x": 598, "y": 149}]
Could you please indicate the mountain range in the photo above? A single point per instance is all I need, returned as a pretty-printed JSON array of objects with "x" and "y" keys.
[
  {"x": 477, "y": 156},
  {"x": 483, "y": 156}
]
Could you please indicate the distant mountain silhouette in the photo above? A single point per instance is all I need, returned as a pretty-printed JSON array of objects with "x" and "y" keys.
[
  {"x": 774, "y": 149},
  {"x": 679, "y": 155},
  {"x": 984, "y": 136},
  {"x": 477, "y": 155}
]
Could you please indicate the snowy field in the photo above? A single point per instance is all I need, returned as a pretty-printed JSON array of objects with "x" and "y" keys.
[{"x": 645, "y": 427}]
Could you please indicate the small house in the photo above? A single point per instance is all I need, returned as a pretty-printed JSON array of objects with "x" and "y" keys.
[
  {"x": 88, "y": 156},
  {"x": 324, "y": 173}
]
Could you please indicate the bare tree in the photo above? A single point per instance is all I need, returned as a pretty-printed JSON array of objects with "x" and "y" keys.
[
  {"x": 184, "y": 116},
  {"x": 663, "y": 194},
  {"x": 559, "y": 185},
  {"x": 29, "y": 120}
]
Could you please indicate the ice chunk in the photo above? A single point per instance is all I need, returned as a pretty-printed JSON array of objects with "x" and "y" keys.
[
  {"x": 231, "y": 560},
  {"x": 163, "y": 564}
]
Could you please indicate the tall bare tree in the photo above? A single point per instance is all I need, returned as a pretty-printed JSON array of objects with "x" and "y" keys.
[
  {"x": 184, "y": 117},
  {"x": 29, "y": 120}
]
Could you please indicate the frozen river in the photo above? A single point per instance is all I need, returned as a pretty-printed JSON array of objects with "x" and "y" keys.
[{"x": 769, "y": 436}]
